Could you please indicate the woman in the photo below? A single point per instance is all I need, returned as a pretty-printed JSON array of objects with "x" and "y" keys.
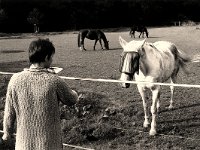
[{"x": 32, "y": 100}]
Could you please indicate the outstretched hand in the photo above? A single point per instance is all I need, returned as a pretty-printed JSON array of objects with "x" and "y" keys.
[{"x": 7, "y": 141}]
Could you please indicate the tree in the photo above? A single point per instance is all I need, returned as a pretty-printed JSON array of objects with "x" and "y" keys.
[
  {"x": 3, "y": 16},
  {"x": 35, "y": 18}
]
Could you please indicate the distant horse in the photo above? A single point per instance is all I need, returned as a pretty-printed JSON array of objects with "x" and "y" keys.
[
  {"x": 141, "y": 29},
  {"x": 96, "y": 35},
  {"x": 151, "y": 62}
]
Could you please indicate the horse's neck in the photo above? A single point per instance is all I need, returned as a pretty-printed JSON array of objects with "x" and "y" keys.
[{"x": 103, "y": 37}]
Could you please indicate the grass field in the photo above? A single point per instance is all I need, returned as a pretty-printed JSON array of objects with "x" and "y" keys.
[{"x": 177, "y": 129}]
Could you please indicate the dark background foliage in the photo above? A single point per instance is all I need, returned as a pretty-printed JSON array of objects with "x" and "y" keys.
[{"x": 61, "y": 15}]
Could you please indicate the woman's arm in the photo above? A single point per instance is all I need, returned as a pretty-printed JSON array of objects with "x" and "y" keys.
[
  {"x": 9, "y": 114},
  {"x": 65, "y": 94}
]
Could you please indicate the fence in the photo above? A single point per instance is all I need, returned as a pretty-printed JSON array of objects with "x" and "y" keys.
[{"x": 118, "y": 81}]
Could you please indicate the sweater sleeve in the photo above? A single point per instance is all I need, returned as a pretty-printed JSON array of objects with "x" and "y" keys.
[
  {"x": 65, "y": 94},
  {"x": 9, "y": 112}
]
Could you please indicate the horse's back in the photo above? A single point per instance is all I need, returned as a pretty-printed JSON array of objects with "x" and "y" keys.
[
  {"x": 167, "y": 53},
  {"x": 159, "y": 61},
  {"x": 165, "y": 46},
  {"x": 92, "y": 34},
  {"x": 83, "y": 31}
]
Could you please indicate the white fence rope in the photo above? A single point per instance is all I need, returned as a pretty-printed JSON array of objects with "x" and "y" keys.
[
  {"x": 116, "y": 81},
  {"x": 119, "y": 81}
]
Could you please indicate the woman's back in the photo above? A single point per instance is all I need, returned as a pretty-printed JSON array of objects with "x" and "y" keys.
[{"x": 37, "y": 111}]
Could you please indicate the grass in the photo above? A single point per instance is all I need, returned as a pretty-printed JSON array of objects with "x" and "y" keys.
[{"x": 110, "y": 117}]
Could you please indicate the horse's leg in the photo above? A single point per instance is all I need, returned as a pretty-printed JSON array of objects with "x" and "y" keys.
[
  {"x": 101, "y": 44},
  {"x": 134, "y": 34},
  {"x": 173, "y": 80},
  {"x": 171, "y": 99},
  {"x": 158, "y": 103},
  {"x": 145, "y": 107},
  {"x": 155, "y": 98},
  {"x": 95, "y": 44},
  {"x": 131, "y": 34},
  {"x": 147, "y": 34},
  {"x": 140, "y": 34},
  {"x": 82, "y": 45}
]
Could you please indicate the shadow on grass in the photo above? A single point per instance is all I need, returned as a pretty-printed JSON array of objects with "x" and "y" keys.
[
  {"x": 154, "y": 37},
  {"x": 14, "y": 66},
  {"x": 12, "y": 51},
  {"x": 181, "y": 107},
  {"x": 150, "y": 37},
  {"x": 178, "y": 127},
  {"x": 112, "y": 49}
]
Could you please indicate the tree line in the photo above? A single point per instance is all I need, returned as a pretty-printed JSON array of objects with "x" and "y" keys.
[{"x": 61, "y": 15}]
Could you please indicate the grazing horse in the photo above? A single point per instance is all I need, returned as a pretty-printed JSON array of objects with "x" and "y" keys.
[
  {"x": 96, "y": 35},
  {"x": 151, "y": 62},
  {"x": 141, "y": 29}
]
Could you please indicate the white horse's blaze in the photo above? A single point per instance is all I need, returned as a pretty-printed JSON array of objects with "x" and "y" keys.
[{"x": 157, "y": 62}]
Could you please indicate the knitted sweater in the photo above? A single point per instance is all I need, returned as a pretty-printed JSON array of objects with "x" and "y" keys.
[{"x": 32, "y": 100}]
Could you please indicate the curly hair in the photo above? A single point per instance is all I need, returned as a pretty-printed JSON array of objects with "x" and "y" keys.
[{"x": 40, "y": 49}]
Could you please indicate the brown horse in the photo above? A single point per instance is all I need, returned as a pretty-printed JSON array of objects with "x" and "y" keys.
[
  {"x": 96, "y": 35},
  {"x": 142, "y": 29}
]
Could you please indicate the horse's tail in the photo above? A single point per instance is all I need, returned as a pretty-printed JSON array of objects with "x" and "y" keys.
[
  {"x": 183, "y": 59},
  {"x": 131, "y": 30},
  {"x": 147, "y": 33},
  {"x": 79, "y": 37}
]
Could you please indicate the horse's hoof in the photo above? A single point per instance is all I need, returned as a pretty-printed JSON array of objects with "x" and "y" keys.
[
  {"x": 146, "y": 124},
  {"x": 82, "y": 49},
  {"x": 170, "y": 107},
  {"x": 152, "y": 132}
]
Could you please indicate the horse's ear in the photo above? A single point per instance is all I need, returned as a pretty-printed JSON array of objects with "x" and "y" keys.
[{"x": 122, "y": 42}]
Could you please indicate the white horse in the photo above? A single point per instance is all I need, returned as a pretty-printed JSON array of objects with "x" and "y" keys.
[{"x": 151, "y": 62}]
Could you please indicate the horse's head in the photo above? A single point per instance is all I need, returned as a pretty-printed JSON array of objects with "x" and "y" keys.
[
  {"x": 106, "y": 44},
  {"x": 129, "y": 64}
]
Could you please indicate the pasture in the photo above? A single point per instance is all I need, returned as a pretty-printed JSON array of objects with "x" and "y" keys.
[{"x": 109, "y": 116}]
